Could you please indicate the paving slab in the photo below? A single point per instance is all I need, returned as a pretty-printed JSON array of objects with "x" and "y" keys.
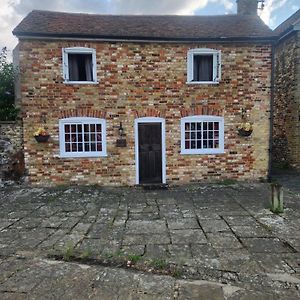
[{"x": 224, "y": 237}]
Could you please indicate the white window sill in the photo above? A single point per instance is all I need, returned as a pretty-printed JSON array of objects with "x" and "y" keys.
[
  {"x": 206, "y": 151},
  {"x": 202, "y": 82},
  {"x": 90, "y": 155},
  {"x": 81, "y": 82}
]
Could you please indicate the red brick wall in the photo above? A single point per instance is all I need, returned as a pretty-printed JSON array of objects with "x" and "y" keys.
[{"x": 138, "y": 80}]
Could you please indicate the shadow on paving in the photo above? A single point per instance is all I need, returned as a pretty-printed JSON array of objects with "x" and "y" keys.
[{"x": 209, "y": 241}]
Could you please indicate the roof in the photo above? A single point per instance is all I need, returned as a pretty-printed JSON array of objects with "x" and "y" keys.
[
  {"x": 288, "y": 24},
  {"x": 142, "y": 27}
]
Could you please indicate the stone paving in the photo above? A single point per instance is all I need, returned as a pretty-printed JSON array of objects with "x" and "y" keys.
[{"x": 219, "y": 240}]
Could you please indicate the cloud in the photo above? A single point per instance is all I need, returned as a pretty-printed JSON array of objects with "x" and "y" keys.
[
  {"x": 267, "y": 14},
  {"x": 228, "y": 5},
  {"x": 12, "y": 11}
]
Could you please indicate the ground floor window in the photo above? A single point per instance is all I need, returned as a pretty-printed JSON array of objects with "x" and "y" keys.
[
  {"x": 202, "y": 135},
  {"x": 82, "y": 137}
]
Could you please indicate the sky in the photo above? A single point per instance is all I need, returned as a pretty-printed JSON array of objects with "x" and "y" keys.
[{"x": 13, "y": 11}]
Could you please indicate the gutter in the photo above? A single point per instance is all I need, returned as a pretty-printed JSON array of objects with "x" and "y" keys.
[{"x": 25, "y": 35}]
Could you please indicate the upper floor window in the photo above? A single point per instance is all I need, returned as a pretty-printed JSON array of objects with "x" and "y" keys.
[
  {"x": 202, "y": 135},
  {"x": 79, "y": 65},
  {"x": 82, "y": 137},
  {"x": 203, "y": 66}
]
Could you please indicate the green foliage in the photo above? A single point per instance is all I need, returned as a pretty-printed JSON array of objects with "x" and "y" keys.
[
  {"x": 134, "y": 258},
  {"x": 69, "y": 252},
  {"x": 8, "y": 111},
  {"x": 159, "y": 264}
]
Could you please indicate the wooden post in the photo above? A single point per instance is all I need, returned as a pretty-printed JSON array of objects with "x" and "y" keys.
[{"x": 277, "y": 198}]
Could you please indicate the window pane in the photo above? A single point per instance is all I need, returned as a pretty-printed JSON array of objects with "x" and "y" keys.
[
  {"x": 198, "y": 144},
  {"x": 92, "y": 127},
  {"x": 86, "y": 147},
  {"x": 68, "y": 148},
  {"x": 210, "y": 144},
  {"x": 99, "y": 147},
  {"x": 193, "y": 145},
  {"x": 98, "y": 128},
  {"x": 193, "y": 126},
  {"x": 210, "y": 126},
  {"x": 93, "y": 147},
  {"x": 80, "y": 67},
  {"x": 74, "y": 137},
  {"x": 198, "y": 126},
  {"x": 80, "y": 147},
  {"x": 187, "y": 145},
  {"x": 203, "y": 67},
  {"x": 210, "y": 134},
  {"x": 93, "y": 137},
  {"x": 86, "y": 128},
  {"x": 187, "y": 126},
  {"x": 67, "y": 128},
  {"x": 86, "y": 137},
  {"x": 74, "y": 147},
  {"x": 99, "y": 137},
  {"x": 67, "y": 138},
  {"x": 216, "y": 125},
  {"x": 193, "y": 135},
  {"x": 204, "y": 125},
  {"x": 199, "y": 135},
  {"x": 73, "y": 128},
  {"x": 79, "y": 128}
]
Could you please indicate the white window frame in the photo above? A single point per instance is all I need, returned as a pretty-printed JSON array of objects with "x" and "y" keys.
[
  {"x": 197, "y": 118},
  {"x": 78, "y": 50},
  {"x": 216, "y": 65},
  {"x": 80, "y": 120}
]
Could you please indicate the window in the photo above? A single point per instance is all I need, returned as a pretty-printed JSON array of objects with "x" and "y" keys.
[
  {"x": 202, "y": 135},
  {"x": 79, "y": 65},
  {"x": 82, "y": 137},
  {"x": 203, "y": 66}
]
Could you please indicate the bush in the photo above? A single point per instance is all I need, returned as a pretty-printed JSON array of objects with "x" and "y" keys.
[{"x": 8, "y": 111}]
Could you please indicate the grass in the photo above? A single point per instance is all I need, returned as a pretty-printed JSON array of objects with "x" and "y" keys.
[
  {"x": 134, "y": 258},
  {"x": 158, "y": 264},
  {"x": 68, "y": 252},
  {"x": 86, "y": 253}
]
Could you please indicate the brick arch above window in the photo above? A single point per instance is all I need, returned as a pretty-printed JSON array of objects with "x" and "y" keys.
[
  {"x": 84, "y": 112},
  {"x": 149, "y": 112},
  {"x": 211, "y": 110}
]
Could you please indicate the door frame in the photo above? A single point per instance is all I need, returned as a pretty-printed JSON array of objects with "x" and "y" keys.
[{"x": 163, "y": 145}]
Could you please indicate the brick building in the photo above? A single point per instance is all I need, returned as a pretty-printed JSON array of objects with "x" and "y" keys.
[
  {"x": 145, "y": 99},
  {"x": 286, "y": 129}
]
